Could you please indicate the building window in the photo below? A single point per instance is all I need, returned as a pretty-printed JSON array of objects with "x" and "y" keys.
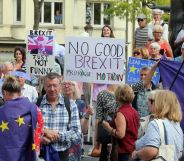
[
  {"x": 52, "y": 13},
  {"x": 94, "y": 14},
  {"x": 1, "y": 11},
  {"x": 18, "y": 15},
  {"x": 18, "y": 11}
]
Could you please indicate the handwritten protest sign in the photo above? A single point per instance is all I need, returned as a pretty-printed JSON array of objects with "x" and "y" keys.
[
  {"x": 97, "y": 60},
  {"x": 134, "y": 67},
  {"x": 40, "y": 64},
  {"x": 40, "y": 42}
]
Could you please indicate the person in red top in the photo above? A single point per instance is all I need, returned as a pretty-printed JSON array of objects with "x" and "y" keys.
[
  {"x": 157, "y": 35},
  {"x": 125, "y": 124},
  {"x": 38, "y": 131}
]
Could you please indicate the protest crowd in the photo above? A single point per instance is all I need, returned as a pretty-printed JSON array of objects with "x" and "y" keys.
[{"x": 46, "y": 107}]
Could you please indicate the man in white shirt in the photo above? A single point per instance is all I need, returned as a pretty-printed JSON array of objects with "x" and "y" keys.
[
  {"x": 157, "y": 15},
  {"x": 26, "y": 89}
]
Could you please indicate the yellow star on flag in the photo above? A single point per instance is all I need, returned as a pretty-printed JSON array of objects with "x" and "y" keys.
[
  {"x": 20, "y": 121},
  {"x": 33, "y": 146},
  {"x": 155, "y": 73},
  {"x": 132, "y": 69},
  {"x": 4, "y": 126}
]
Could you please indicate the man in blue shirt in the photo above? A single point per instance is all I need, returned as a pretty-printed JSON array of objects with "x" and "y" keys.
[{"x": 59, "y": 131}]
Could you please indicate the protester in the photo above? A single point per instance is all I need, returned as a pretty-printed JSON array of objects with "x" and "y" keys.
[
  {"x": 17, "y": 114},
  {"x": 145, "y": 53},
  {"x": 87, "y": 31},
  {"x": 137, "y": 53},
  {"x": 157, "y": 37},
  {"x": 7, "y": 67},
  {"x": 140, "y": 100},
  {"x": 107, "y": 31},
  {"x": 154, "y": 51},
  {"x": 62, "y": 128},
  {"x": 141, "y": 33},
  {"x": 141, "y": 53},
  {"x": 143, "y": 121},
  {"x": 20, "y": 58},
  {"x": 26, "y": 89},
  {"x": 181, "y": 57},
  {"x": 178, "y": 43},
  {"x": 105, "y": 109},
  {"x": 71, "y": 90},
  {"x": 157, "y": 15},
  {"x": 125, "y": 123},
  {"x": 167, "y": 108}
]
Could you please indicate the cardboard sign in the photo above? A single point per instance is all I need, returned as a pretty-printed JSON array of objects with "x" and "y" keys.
[
  {"x": 40, "y": 64},
  {"x": 97, "y": 60}
]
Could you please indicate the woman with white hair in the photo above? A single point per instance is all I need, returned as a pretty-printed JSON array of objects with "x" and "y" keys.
[
  {"x": 155, "y": 51},
  {"x": 157, "y": 15},
  {"x": 157, "y": 34}
]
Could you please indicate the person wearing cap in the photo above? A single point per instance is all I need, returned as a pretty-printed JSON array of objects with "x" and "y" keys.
[
  {"x": 157, "y": 14},
  {"x": 181, "y": 57},
  {"x": 141, "y": 33}
]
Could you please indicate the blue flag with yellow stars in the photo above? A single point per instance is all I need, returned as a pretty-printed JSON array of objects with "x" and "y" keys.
[
  {"x": 18, "y": 118},
  {"x": 134, "y": 67},
  {"x": 170, "y": 74}
]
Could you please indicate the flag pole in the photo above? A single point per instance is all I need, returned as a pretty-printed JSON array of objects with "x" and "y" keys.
[
  {"x": 176, "y": 75},
  {"x": 89, "y": 122}
]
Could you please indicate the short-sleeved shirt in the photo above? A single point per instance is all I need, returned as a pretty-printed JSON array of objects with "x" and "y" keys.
[
  {"x": 106, "y": 105},
  {"x": 179, "y": 59},
  {"x": 152, "y": 136}
]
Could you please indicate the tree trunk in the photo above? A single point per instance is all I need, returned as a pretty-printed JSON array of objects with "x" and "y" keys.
[{"x": 37, "y": 13}]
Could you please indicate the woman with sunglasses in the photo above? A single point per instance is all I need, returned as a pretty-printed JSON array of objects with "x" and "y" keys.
[
  {"x": 141, "y": 53},
  {"x": 168, "y": 110},
  {"x": 141, "y": 33}
]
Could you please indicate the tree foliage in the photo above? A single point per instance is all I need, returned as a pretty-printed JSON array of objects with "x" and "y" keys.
[{"x": 130, "y": 9}]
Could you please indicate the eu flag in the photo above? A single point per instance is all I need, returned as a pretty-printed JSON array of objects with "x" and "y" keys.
[
  {"x": 168, "y": 72},
  {"x": 18, "y": 119}
]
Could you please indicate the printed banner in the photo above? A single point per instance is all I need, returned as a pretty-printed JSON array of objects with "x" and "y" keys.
[
  {"x": 134, "y": 67},
  {"x": 96, "y": 60},
  {"x": 40, "y": 42}
]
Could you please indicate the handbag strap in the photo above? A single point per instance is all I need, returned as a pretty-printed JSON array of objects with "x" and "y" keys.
[{"x": 162, "y": 130}]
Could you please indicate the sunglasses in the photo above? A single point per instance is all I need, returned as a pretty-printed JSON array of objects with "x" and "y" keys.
[
  {"x": 136, "y": 53},
  {"x": 140, "y": 19}
]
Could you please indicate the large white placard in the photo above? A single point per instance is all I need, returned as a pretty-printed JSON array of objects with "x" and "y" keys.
[
  {"x": 40, "y": 64},
  {"x": 97, "y": 60}
]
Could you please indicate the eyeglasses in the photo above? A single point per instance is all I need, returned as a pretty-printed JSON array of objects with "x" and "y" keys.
[
  {"x": 52, "y": 85},
  {"x": 136, "y": 53},
  {"x": 151, "y": 100},
  {"x": 139, "y": 19}
]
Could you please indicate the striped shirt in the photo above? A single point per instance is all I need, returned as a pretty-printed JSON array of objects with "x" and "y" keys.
[
  {"x": 58, "y": 119},
  {"x": 141, "y": 37}
]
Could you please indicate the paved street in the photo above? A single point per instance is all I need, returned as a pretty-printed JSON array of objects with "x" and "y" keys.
[{"x": 86, "y": 157}]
